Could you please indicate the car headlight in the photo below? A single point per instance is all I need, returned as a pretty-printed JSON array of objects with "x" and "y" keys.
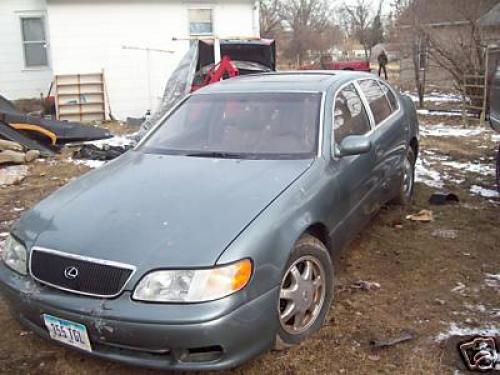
[
  {"x": 194, "y": 285},
  {"x": 14, "y": 255}
]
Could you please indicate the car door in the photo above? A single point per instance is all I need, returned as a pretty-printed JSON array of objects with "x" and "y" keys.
[
  {"x": 354, "y": 176},
  {"x": 389, "y": 136}
]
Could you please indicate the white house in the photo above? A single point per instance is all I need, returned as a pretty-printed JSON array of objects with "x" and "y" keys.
[{"x": 132, "y": 41}]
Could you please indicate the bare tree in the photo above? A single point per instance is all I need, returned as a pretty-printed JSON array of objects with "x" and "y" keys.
[
  {"x": 463, "y": 53},
  {"x": 454, "y": 45},
  {"x": 270, "y": 20},
  {"x": 307, "y": 23},
  {"x": 363, "y": 24}
]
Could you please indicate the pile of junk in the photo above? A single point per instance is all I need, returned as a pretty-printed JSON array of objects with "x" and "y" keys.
[{"x": 24, "y": 137}]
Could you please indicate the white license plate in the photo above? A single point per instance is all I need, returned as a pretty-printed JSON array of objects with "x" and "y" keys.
[{"x": 67, "y": 332}]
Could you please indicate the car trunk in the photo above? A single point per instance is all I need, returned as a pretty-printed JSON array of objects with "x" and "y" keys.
[{"x": 262, "y": 51}]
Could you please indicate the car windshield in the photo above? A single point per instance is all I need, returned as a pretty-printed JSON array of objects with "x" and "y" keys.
[{"x": 239, "y": 126}]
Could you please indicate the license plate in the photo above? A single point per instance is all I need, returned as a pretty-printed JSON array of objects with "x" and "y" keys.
[{"x": 67, "y": 332}]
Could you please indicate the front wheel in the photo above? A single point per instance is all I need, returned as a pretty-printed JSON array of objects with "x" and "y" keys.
[
  {"x": 306, "y": 292},
  {"x": 407, "y": 185}
]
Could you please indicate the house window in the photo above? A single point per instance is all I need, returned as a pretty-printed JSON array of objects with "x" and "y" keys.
[
  {"x": 34, "y": 41},
  {"x": 200, "y": 21}
]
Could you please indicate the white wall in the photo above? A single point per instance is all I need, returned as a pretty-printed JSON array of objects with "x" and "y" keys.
[
  {"x": 16, "y": 81},
  {"x": 88, "y": 35}
]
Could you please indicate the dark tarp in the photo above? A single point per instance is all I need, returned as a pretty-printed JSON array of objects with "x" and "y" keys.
[
  {"x": 12, "y": 134},
  {"x": 65, "y": 131}
]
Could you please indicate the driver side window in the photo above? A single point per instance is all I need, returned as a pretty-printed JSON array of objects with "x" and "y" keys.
[{"x": 350, "y": 117}]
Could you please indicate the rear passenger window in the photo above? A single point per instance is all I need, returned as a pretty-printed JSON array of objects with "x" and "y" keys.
[
  {"x": 377, "y": 100},
  {"x": 390, "y": 95},
  {"x": 350, "y": 116}
]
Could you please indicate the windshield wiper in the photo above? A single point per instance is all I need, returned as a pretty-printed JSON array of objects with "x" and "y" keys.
[{"x": 215, "y": 154}]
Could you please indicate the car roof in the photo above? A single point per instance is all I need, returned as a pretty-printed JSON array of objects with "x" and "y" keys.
[{"x": 310, "y": 80}]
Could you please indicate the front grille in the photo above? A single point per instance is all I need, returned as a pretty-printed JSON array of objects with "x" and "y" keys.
[{"x": 92, "y": 276}]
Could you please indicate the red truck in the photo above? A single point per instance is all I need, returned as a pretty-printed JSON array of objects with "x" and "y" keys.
[{"x": 326, "y": 63}]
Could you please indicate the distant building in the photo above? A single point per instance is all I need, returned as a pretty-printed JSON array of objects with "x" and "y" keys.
[
  {"x": 444, "y": 20},
  {"x": 490, "y": 24}
]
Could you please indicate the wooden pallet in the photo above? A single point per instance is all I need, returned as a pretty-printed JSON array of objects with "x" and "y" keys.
[{"x": 80, "y": 97}]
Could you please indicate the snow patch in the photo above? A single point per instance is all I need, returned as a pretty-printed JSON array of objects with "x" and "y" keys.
[
  {"x": 89, "y": 163},
  {"x": 493, "y": 281},
  {"x": 456, "y": 330},
  {"x": 486, "y": 193},
  {"x": 442, "y": 130},
  {"x": 427, "y": 175},
  {"x": 482, "y": 169},
  {"x": 117, "y": 140},
  {"x": 436, "y": 97},
  {"x": 426, "y": 112}
]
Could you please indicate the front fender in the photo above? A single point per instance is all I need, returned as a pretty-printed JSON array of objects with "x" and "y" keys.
[{"x": 270, "y": 238}]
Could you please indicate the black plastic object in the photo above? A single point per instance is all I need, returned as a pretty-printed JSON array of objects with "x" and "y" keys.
[
  {"x": 92, "y": 152},
  {"x": 443, "y": 197},
  {"x": 64, "y": 130},
  {"x": 14, "y": 135}
]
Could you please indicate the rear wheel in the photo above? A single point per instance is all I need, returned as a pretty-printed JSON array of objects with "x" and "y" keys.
[
  {"x": 407, "y": 186},
  {"x": 306, "y": 292}
]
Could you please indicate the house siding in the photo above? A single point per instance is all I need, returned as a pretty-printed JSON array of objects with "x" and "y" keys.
[
  {"x": 88, "y": 36},
  {"x": 16, "y": 81}
]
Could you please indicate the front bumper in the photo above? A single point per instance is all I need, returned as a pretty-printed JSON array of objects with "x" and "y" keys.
[{"x": 167, "y": 336}]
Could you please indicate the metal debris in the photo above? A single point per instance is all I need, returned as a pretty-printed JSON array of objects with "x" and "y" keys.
[{"x": 406, "y": 335}]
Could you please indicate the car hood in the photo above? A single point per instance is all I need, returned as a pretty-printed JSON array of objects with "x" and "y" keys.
[{"x": 155, "y": 211}]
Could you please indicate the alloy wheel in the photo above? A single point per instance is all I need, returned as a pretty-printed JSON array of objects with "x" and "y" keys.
[
  {"x": 408, "y": 178},
  {"x": 302, "y": 295}
]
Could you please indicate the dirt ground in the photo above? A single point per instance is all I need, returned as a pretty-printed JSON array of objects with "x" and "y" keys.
[{"x": 428, "y": 284}]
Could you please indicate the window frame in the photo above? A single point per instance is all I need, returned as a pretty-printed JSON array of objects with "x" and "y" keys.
[
  {"x": 373, "y": 125},
  {"x": 389, "y": 88},
  {"x": 386, "y": 98},
  {"x": 371, "y": 122},
  {"x": 212, "y": 20},
  {"x": 320, "y": 133},
  {"x": 44, "y": 42}
]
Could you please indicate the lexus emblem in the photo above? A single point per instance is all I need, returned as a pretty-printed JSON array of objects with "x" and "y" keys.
[{"x": 71, "y": 272}]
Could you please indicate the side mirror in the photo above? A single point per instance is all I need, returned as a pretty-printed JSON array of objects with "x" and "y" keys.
[{"x": 354, "y": 145}]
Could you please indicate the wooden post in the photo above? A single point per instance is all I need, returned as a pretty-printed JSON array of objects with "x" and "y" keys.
[
  {"x": 464, "y": 101},
  {"x": 485, "y": 98}
]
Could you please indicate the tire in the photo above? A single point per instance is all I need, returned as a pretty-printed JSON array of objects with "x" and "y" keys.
[
  {"x": 308, "y": 253},
  {"x": 406, "y": 188}
]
